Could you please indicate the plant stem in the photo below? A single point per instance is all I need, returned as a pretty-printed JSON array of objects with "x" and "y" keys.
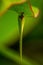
[
  {"x": 21, "y": 36},
  {"x": 21, "y": 47}
]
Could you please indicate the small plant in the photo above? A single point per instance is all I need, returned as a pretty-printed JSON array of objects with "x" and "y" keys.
[{"x": 5, "y": 5}]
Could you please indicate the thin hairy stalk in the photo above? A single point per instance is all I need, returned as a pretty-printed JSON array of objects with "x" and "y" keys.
[
  {"x": 21, "y": 36},
  {"x": 21, "y": 27}
]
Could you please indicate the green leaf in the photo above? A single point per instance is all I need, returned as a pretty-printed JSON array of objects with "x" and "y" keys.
[
  {"x": 5, "y": 4},
  {"x": 8, "y": 27},
  {"x": 25, "y": 7},
  {"x": 22, "y": 8}
]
